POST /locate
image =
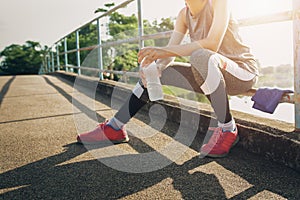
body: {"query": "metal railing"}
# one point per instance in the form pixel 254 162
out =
pixel 293 15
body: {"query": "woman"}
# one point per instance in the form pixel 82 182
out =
pixel 220 65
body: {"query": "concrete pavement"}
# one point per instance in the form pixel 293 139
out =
pixel 40 117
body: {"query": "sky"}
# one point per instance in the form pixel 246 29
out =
pixel 46 21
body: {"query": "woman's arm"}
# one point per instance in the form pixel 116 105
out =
pixel 180 30
pixel 176 38
pixel 213 40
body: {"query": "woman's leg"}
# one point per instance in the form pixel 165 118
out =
pixel 137 99
pixel 211 74
pixel 210 71
pixel 205 76
pixel 192 78
pixel 114 130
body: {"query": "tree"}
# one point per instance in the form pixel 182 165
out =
pixel 22 59
pixel 87 37
pixel 107 5
pixel 117 57
pixel 166 24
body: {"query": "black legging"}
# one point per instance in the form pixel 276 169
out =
pixel 133 104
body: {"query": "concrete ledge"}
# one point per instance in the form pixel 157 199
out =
pixel 272 139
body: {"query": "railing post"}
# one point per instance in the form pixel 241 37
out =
pixel 100 61
pixel 57 58
pixel 52 61
pixel 65 53
pixel 48 62
pixel 78 52
pixel 140 24
pixel 296 7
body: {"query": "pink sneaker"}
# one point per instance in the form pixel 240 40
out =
pixel 103 132
pixel 220 143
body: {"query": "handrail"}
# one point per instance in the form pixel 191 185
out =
pixel 258 20
pixel 160 35
pixel 122 5
pixel 264 19
pixel 270 18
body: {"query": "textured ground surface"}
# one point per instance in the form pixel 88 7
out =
pixel 40 117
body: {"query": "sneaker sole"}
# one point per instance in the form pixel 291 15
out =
pixel 222 155
pixel 126 140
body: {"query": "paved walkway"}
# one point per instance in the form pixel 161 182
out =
pixel 40 117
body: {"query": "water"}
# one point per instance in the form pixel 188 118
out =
pixel 155 91
pixel 154 86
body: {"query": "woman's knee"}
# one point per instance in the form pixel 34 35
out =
pixel 200 54
pixel 206 71
pixel 200 60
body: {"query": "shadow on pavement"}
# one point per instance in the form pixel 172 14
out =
pixel 5 88
pixel 93 180
pixel 46 179
pixel 195 179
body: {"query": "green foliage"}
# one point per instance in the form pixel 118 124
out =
pixel 107 5
pixel 123 57
pixel 87 37
pixel 29 57
pixel 124 27
pixel 126 61
pixel 117 57
pixel 120 24
pixel 101 10
pixel 166 24
pixel 22 59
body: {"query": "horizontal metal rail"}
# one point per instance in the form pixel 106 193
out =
pixel 271 18
pixel 122 5
pixel 127 73
pixel 160 35
pixel 264 19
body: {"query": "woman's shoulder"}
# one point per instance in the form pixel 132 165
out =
pixel 183 11
pixel 182 14
pixel 181 21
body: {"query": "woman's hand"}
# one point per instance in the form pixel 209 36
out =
pixel 149 54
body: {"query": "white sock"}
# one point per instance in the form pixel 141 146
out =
pixel 115 123
pixel 229 126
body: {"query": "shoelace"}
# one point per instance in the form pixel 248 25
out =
pixel 101 125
